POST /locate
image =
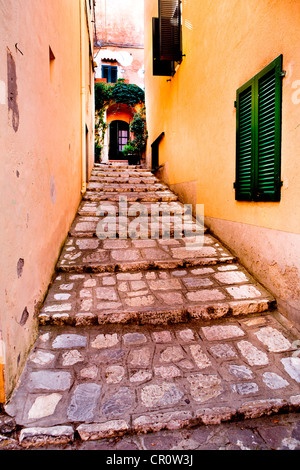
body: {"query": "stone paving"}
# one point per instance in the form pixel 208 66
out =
pixel 129 345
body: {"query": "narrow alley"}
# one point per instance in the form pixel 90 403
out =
pixel 144 335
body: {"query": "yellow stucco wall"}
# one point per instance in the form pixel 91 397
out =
pixel 226 42
pixel 41 176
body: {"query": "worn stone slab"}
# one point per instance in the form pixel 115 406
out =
pixel 84 402
pixel 38 437
pixel 273 339
pixel 158 421
pixel 49 380
pixel 109 429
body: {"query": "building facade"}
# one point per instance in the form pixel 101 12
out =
pixel 223 99
pixel 47 144
pixel 119 44
pixel 119 55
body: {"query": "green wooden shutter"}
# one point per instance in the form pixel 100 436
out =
pixel 258 166
pixel 244 170
pixel 269 134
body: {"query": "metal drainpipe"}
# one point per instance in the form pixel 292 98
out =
pixel 82 90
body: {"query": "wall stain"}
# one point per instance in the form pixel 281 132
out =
pixel 24 317
pixel 20 267
pixel 12 91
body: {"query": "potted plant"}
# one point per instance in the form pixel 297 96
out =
pixel 131 154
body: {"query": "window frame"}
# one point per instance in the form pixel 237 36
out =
pixel 109 68
pixel 255 194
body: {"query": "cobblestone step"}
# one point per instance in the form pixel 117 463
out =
pixel 148 196
pixel 92 208
pixel 94 255
pixel 144 227
pixel 109 381
pixel 124 187
pixel 136 179
pixel 119 167
pixel 155 297
pixel 143 335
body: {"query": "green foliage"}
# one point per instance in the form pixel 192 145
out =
pixel 120 93
pixel 127 93
pixel 139 130
pixel 102 95
pixel 129 149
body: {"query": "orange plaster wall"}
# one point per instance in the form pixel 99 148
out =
pixel 40 164
pixel 226 43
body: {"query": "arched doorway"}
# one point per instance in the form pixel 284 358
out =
pixel 118 138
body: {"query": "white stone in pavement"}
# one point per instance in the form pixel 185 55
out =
pixel 205 295
pixel 106 293
pixel 140 357
pixel 223 350
pixel 87 244
pixel 59 308
pixel 274 381
pixel 245 388
pixel 292 367
pixel 44 405
pixel 68 341
pixel 273 339
pixel 49 380
pixel 114 374
pixel 163 394
pixel 167 372
pixel 204 387
pixel 201 359
pixel 89 372
pixel 41 357
pixel 254 356
pixel 70 358
pixel 162 336
pixel 141 376
pixel 134 338
pixel 242 372
pixel 231 277
pixel 221 332
pixel 172 354
pixel 105 341
pixel 186 335
pixel 243 292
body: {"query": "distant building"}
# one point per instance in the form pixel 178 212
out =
pixel 119 45
pixel 119 54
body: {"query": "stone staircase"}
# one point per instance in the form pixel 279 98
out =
pixel 150 323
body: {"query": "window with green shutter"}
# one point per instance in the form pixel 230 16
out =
pixel 258 153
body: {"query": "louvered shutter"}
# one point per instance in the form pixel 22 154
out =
pixel 170 30
pixel 269 135
pixel 258 166
pixel 244 169
pixel 160 67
